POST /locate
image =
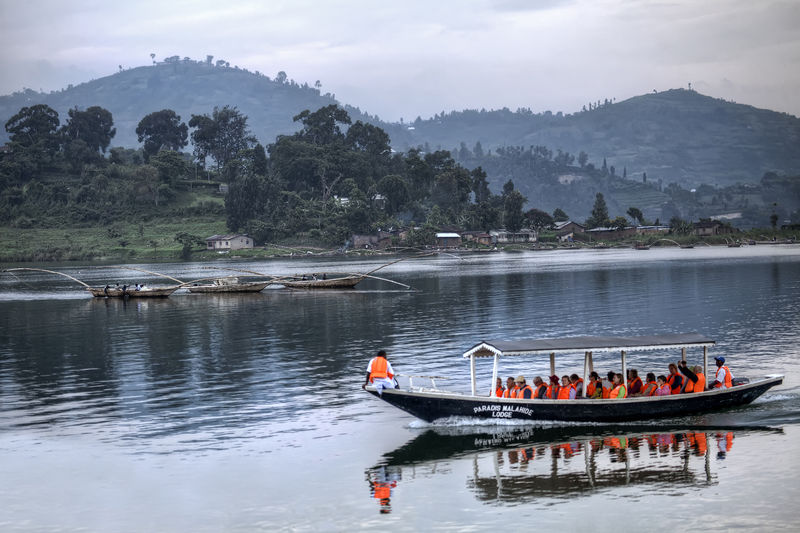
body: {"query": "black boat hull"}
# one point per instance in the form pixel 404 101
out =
pixel 434 405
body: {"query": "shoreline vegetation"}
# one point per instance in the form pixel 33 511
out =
pixel 158 241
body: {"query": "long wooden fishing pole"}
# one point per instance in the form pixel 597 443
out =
pixel 176 280
pixel 49 272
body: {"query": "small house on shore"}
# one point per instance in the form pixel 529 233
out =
pixel 448 240
pixel 229 242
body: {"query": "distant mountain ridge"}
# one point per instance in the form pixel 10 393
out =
pixel 674 136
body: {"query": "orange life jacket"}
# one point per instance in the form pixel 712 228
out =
pixel 563 392
pixel 537 392
pixel 649 388
pixel 700 386
pixel 606 392
pixel 511 393
pixel 590 388
pixel 521 392
pixel 728 379
pixel 615 392
pixel 552 391
pixel 380 369
pixel 633 382
pixel 498 392
pixel 582 389
pixel 672 378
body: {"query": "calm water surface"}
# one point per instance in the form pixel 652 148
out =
pixel 242 413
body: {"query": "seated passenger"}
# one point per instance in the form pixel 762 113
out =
pixel 689 377
pixel 511 388
pixel 675 380
pixel 553 388
pixel 663 387
pixel 649 388
pixel 498 388
pixel 577 382
pixel 540 390
pixel 618 392
pixel 607 388
pixel 634 382
pixel 525 391
pixel 594 390
pixel 567 391
pixel 700 386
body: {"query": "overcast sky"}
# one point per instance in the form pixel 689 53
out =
pixel 408 58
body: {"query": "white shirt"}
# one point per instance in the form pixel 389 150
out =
pixel 721 377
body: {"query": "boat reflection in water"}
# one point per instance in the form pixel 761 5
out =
pixel 516 466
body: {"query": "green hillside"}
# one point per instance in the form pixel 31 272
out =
pixel 187 87
pixel 674 136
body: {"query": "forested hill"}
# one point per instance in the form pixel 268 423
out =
pixel 677 136
pixel 187 87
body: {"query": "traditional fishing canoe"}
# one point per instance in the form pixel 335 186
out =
pixel 347 282
pixel 431 404
pixel 114 292
pixel 229 284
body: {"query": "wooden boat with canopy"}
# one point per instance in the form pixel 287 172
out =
pixel 431 404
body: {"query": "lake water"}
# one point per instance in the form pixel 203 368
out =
pixel 241 413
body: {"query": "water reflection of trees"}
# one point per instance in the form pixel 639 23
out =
pixel 516 466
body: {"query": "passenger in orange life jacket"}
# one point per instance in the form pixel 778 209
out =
pixel 619 391
pixel 700 386
pixel 539 388
pixel 498 388
pixel 634 382
pixel 675 380
pixel 607 388
pixel 594 390
pixel 577 382
pixel 723 379
pixel 553 388
pixel 649 388
pixel 511 388
pixel 525 391
pixel 380 373
pixel 689 377
pixel 567 391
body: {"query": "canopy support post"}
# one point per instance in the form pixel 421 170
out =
pixel 586 364
pixel 552 363
pixel 683 354
pixel 494 377
pixel 705 363
pixel 591 362
pixel 472 372
pixel 624 371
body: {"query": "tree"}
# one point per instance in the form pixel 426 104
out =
pixel 538 219
pixel 599 212
pixel 171 166
pixel 395 189
pixel 512 211
pixel 34 125
pixel 188 241
pixel 559 215
pixel 162 130
pixel 33 132
pixel 322 126
pixel 95 127
pixel 480 185
pixel 222 135
pixel 619 223
pixel 583 158
pixel 773 220
pixel 636 215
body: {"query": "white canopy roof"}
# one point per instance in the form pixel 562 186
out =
pixel 588 344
